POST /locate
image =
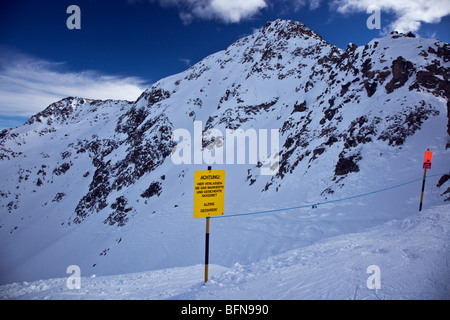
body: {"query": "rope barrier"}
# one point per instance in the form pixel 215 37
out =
pixel 329 201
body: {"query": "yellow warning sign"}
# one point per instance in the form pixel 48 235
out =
pixel 209 193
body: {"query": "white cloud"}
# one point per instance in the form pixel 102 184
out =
pixel 409 14
pixel 28 85
pixel 228 11
pixel 300 4
pixel 236 10
pixel 187 62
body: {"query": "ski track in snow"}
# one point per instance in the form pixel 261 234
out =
pixel 412 255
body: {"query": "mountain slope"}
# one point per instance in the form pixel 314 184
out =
pixel 94 183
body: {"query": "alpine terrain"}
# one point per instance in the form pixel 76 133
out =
pixel 329 184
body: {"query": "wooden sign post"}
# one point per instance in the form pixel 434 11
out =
pixel 209 201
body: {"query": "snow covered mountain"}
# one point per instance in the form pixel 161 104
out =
pixel 93 183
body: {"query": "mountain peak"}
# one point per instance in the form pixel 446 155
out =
pixel 290 29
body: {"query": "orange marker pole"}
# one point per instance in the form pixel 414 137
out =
pixel 426 165
pixel 423 187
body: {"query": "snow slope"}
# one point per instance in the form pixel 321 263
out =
pixel 412 255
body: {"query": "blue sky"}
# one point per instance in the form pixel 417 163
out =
pixel 124 46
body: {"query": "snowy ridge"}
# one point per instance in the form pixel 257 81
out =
pixel 92 183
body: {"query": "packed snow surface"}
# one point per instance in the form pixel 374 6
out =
pixel 411 256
